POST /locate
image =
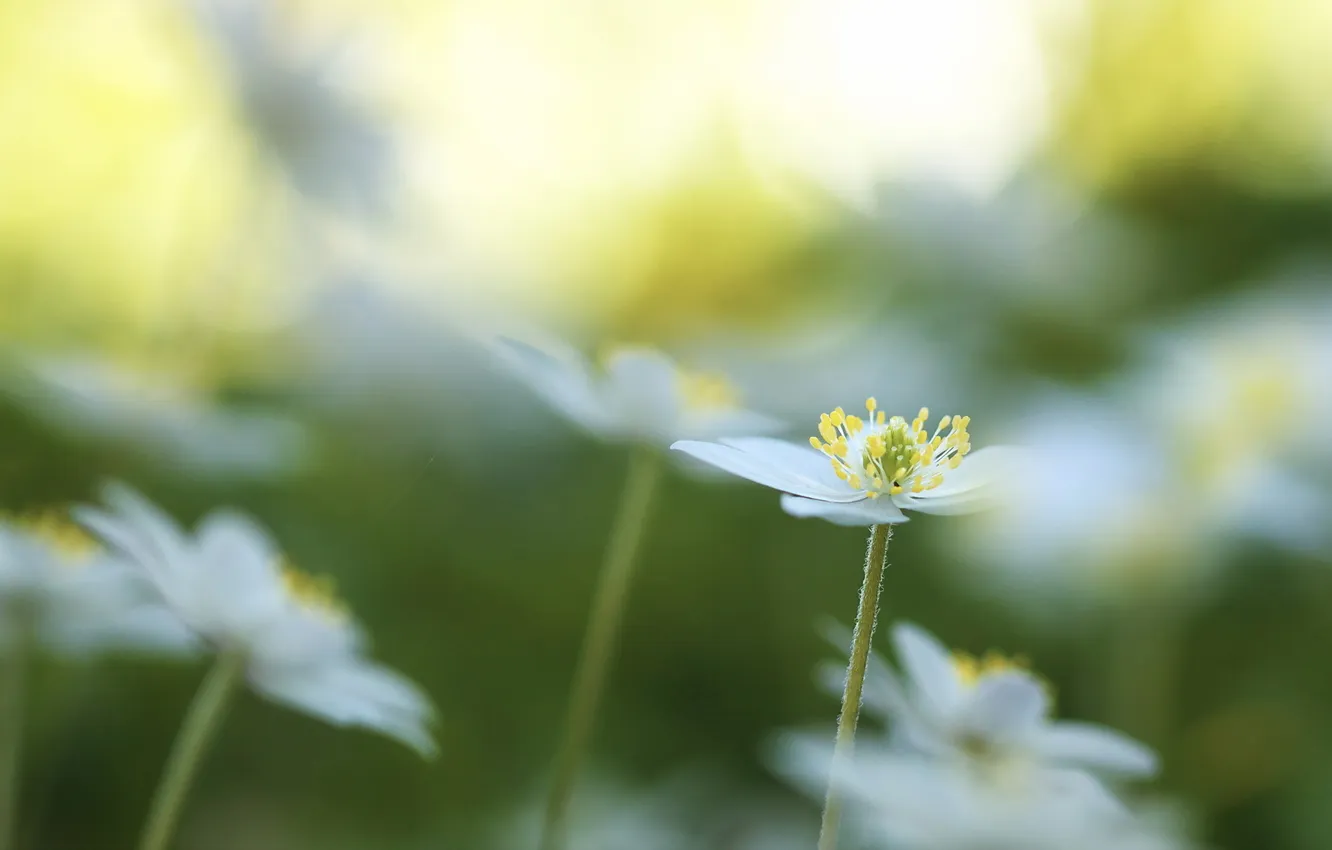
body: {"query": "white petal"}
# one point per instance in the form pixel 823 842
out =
pixel 299 636
pixel 975 485
pixel 239 570
pixel 1096 748
pixel 1005 707
pixel 864 513
pixel 562 378
pixel 353 693
pixel 642 390
pixel 773 463
pixel 150 541
pixel 153 523
pixel 929 666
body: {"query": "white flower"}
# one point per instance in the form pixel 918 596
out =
pixel 867 471
pixel 300 647
pixel 1144 486
pixel 991 712
pixel 907 801
pixel 640 395
pixel 328 145
pixel 1239 398
pixel 1100 515
pixel 73 598
pixel 159 415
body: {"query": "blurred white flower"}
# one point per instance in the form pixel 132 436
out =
pixel 302 115
pixel 991 712
pixel 299 645
pixel 855 463
pixel 1097 515
pixel 1144 485
pixel 911 802
pixel 640 395
pixel 173 423
pixel 1240 395
pixel 73 598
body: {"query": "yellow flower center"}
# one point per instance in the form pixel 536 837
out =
pixel 970 669
pixel 69 541
pixel 316 594
pixel 881 454
pixel 707 391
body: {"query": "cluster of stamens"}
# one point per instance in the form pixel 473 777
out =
pixel 881 454
pixel 73 544
pixel 970 669
pixel 313 593
pixel 706 391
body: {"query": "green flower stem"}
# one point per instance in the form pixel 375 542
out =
pixel 13 681
pixel 862 640
pixel 200 724
pixel 599 641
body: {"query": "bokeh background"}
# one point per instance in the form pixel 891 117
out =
pixel 251 252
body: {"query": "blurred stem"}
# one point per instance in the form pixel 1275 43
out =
pixel 599 641
pixel 13 691
pixel 1147 648
pixel 201 722
pixel 862 640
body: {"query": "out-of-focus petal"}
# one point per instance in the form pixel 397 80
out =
pixel 929 667
pixel 1006 706
pixel 354 694
pixel 1094 747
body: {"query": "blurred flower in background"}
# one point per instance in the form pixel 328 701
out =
pixel 293 638
pixel 61 592
pixel 162 415
pixel 972 760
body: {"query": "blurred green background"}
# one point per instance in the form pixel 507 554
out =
pixel 964 206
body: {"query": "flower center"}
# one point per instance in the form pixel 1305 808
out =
pixel 970 669
pixel 707 391
pixel 882 454
pixel 71 543
pixel 315 594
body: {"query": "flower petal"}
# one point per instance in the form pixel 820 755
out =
pixel 974 486
pixel 1096 748
pixel 239 570
pixel 1005 707
pixel 642 389
pixel 863 513
pixel 929 667
pixel 353 693
pixel 562 378
pixel 773 463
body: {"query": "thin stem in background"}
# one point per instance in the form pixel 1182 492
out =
pixel 200 724
pixel 862 640
pixel 603 629
pixel 13 690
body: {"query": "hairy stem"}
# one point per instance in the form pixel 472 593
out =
pixel 862 640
